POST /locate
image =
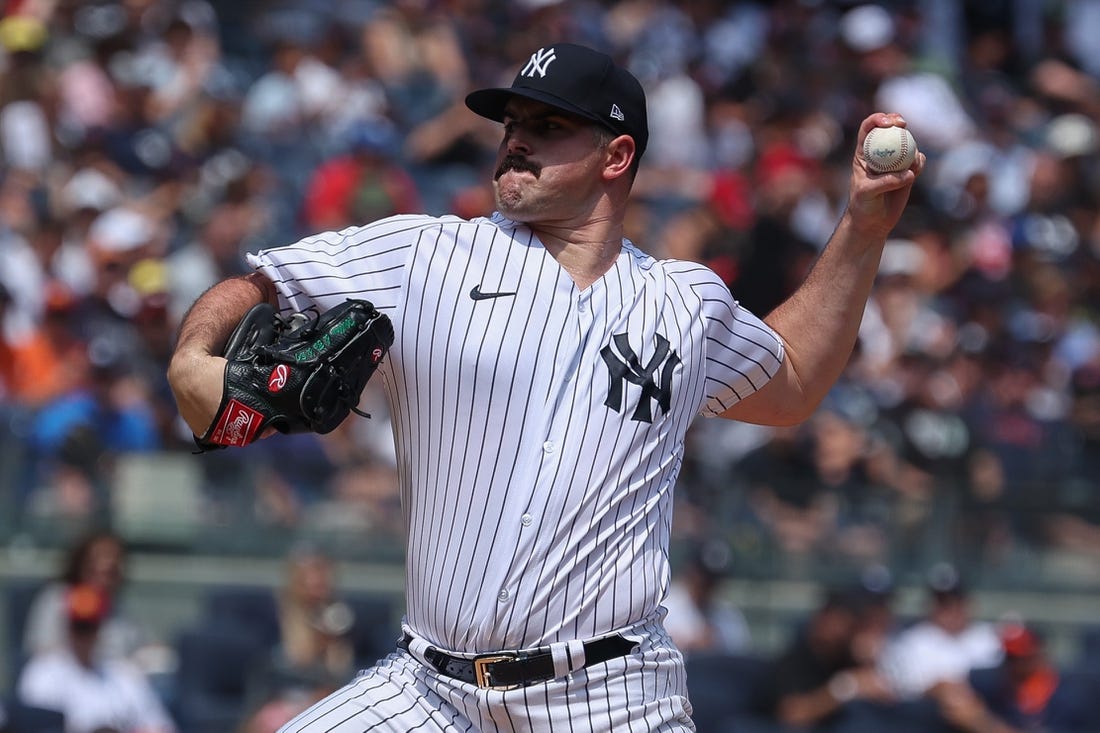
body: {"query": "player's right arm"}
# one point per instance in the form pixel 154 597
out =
pixel 819 323
pixel 196 371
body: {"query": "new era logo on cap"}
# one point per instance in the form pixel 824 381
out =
pixel 579 80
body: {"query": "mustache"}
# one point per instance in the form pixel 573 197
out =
pixel 517 163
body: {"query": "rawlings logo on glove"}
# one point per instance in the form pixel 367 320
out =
pixel 278 378
pixel 297 374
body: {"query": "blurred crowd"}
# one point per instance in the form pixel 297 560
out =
pixel 84 658
pixel 855 660
pixel 854 663
pixel 145 145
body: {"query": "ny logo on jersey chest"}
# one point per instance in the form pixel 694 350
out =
pixel 655 377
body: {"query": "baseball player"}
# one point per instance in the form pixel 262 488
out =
pixel 543 375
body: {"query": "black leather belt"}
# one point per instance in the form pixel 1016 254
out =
pixel 505 670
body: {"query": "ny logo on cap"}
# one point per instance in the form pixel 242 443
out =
pixel 538 63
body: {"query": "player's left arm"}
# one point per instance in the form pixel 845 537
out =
pixel 820 321
pixel 196 370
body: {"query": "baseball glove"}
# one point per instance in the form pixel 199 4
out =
pixel 299 374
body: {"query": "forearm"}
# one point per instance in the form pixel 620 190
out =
pixel 208 323
pixel 807 709
pixel 820 322
pixel 196 370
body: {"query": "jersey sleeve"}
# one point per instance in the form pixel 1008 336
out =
pixel 742 352
pixel 323 269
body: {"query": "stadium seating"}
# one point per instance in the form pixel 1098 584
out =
pixel 24 718
pixel 216 666
pixel 18 598
pixel 728 693
pixel 376 628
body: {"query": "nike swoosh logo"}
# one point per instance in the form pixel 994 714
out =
pixel 476 294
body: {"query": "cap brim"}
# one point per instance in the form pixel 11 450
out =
pixel 490 103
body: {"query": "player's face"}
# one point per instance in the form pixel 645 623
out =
pixel 548 164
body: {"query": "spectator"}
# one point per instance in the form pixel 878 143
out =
pixel 785 497
pixel 361 497
pixel 26 139
pixel 51 361
pixel 417 57
pixel 215 251
pixel 776 255
pixel 699 619
pixel 20 269
pixel 97 560
pixel 93 189
pixel 821 670
pixel 363 184
pixel 177 66
pixel 887 63
pixel 857 469
pixel 825 486
pixel 113 406
pixel 277 115
pixel 314 624
pixel 901 315
pixel 1026 692
pixel 945 645
pixel 94 693
pixel 306 635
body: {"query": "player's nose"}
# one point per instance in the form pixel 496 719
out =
pixel 517 144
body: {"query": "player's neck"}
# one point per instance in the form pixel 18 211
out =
pixel 586 254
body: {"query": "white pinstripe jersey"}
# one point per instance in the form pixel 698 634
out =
pixel 539 428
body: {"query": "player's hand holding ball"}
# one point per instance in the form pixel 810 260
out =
pixel 889 149
pixel 885 165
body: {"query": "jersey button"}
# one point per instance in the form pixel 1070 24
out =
pixel 548 446
pixel 526 520
pixel 502 596
pixel 582 306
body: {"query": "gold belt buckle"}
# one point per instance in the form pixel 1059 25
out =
pixel 483 676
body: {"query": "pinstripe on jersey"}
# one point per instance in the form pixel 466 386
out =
pixel 534 511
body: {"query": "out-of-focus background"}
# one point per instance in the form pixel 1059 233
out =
pixel 145 145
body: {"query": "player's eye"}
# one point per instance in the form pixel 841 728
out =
pixel 540 126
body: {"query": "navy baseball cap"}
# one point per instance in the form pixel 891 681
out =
pixel 578 80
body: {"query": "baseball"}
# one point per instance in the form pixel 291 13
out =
pixel 889 149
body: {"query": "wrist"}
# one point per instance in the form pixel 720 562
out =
pixel 843 687
pixel 197 383
pixel 185 365
pixel 862 231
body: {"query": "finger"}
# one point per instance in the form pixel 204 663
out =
pixel 878 119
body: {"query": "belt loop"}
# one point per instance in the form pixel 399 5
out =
pixel 559 653
pixel 419 647
pixel 577 660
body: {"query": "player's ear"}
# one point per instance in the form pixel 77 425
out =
pixel 618 155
